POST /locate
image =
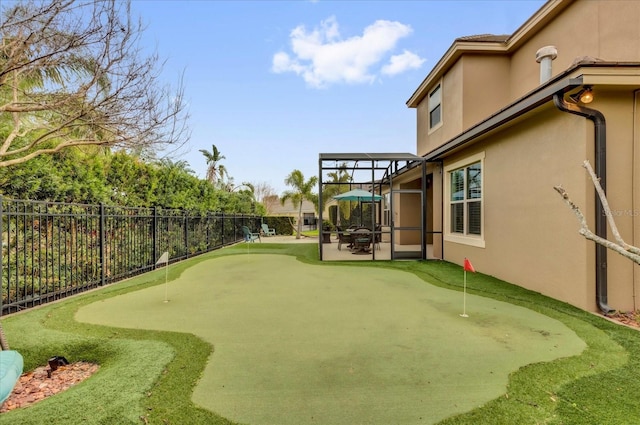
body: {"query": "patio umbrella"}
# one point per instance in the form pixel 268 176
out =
pixel 358 195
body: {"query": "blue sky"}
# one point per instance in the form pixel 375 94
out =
pixel 274 83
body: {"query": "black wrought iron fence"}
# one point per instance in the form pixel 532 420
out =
pixel 52 250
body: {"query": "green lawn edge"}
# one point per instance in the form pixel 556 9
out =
pixel 591 388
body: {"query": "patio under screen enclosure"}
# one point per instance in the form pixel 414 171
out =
pixel 380 206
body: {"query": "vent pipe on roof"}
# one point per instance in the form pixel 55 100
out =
pixel 544 56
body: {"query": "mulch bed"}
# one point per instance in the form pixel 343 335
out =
pixel 36 385
pixel 629 318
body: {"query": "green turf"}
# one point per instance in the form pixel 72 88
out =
pixel 298 344
pixel 137 385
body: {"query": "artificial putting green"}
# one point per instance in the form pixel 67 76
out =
pixel 302 344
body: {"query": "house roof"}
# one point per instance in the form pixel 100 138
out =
pixel 485 38
pixel 488 43
pixel 587 71
pixel 277 209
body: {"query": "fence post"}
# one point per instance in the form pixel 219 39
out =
pixel 222 227
pixel 185 220
pixel 103 260
pixel 154 236
pixel 209 221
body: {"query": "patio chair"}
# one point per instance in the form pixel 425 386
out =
pixel 377 236
pixel 11 364
pixel 267 231
pixel 250 236
pixel 343 237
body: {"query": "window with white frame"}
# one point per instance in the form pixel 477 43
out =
pixel 464 203
pixel 435 107
pixel 386 213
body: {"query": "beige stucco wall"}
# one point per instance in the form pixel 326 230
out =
pixel 530 236
pixel 452 123
pixel 635 212
pixel 608 30
pixel 485 88
pixel 619 112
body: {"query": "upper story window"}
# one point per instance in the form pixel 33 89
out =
pixel 435 107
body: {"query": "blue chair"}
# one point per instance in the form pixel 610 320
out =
pixel 11 364
pixel 249 236
pixel 267 231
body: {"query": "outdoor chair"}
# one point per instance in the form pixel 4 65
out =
pixel 11 364
pixel 250 236
pixel 343 237
pixel 267 231
pixel 377 236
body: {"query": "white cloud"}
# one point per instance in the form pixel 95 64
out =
pixel 401 63
pixel 322 57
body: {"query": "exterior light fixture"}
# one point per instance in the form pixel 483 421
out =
pixel 583 96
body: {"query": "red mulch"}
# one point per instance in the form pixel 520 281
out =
pixel 629 318
pixel 35 385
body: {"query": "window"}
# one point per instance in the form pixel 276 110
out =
pixel 386 213
pixel 464 207
pixel 435 107
pixel 308 219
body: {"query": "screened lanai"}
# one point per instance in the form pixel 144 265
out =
pixel 391 220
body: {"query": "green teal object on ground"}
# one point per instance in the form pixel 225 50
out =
pixel 11 364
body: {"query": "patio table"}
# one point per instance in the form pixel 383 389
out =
pixel 361 239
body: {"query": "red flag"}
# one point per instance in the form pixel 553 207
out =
pixel 468 267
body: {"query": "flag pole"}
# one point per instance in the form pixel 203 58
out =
pixel 166 282
pixel 164 258
pixel 467 267
pixel 464 297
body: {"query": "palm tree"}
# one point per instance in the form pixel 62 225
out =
pixel 215 171
pixel 338 183
pixel 302 190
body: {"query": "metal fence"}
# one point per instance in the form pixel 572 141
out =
pixel 53 250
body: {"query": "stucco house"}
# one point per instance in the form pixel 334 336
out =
pixel 499 125
pixel 309 218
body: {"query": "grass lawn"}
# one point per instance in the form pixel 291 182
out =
pixel 152 373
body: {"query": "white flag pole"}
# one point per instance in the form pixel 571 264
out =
pixel 164 258
pixel 464 297
pixel 166 282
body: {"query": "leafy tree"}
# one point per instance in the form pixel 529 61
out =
pixel 215 171
pixel 131 181
pixel 302 190
pixel 72 175
pixel 72 73
pixel 176 185
pixel 339 183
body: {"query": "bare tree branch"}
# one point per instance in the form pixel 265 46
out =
pixel 620 246
pixel 605 205
pixel 73 73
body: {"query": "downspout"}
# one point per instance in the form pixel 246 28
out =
pixel 600 130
